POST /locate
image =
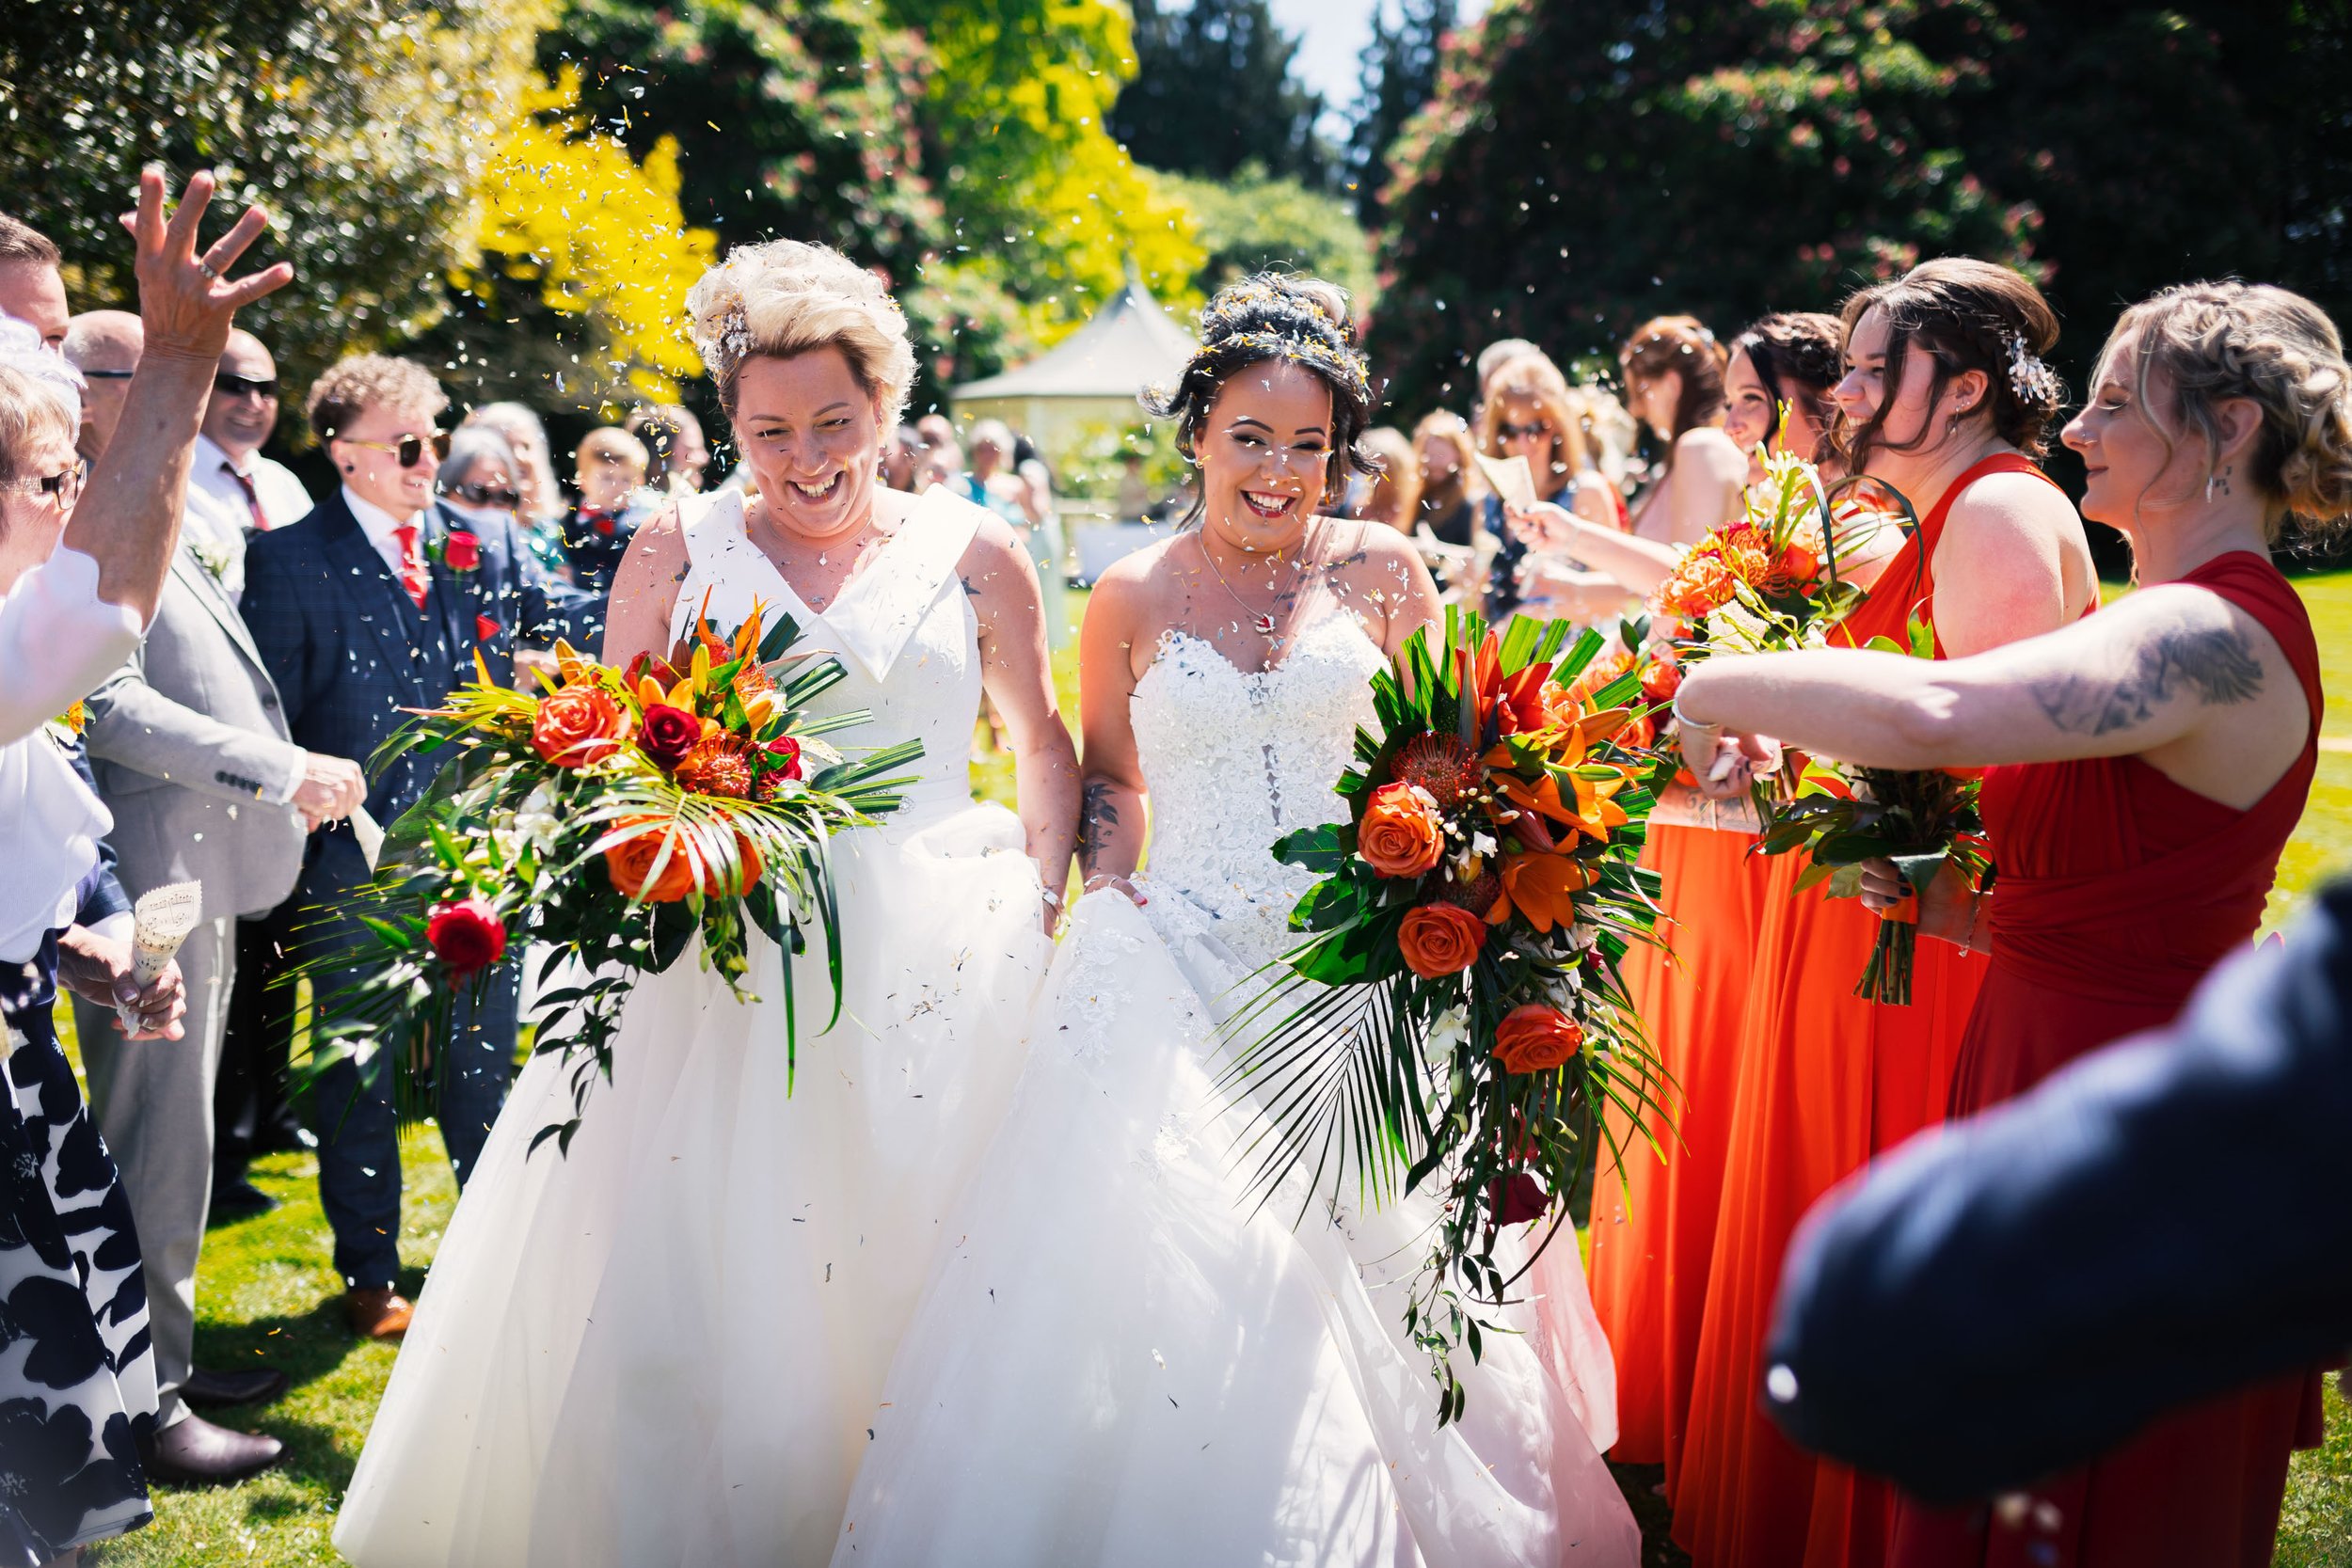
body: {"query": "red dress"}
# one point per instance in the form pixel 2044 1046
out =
pixel 1825 1080
pixel 2119 889
pixel 1653 1223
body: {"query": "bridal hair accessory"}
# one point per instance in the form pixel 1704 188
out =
pixel 2030 376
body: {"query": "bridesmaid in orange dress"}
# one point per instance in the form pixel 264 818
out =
pixel 2150 766
pixel 1653 1221
pixel 1943 401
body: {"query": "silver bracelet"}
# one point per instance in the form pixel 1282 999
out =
pixel 1685 720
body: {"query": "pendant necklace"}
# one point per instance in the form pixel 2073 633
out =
pixel 1261 621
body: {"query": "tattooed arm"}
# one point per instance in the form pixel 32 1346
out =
pixel 1018 674
pixel 1110 817
pixel 2173 675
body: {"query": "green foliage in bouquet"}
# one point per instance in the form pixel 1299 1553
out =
pixel 1456 1018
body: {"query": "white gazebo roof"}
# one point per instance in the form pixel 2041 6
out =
pixel 1130 344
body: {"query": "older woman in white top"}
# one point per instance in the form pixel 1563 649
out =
pixel 83 558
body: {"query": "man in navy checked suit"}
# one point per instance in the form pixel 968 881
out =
pixel 364 608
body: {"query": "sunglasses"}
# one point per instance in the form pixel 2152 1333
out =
pixel 1521 432
pixel 246 386
pixel 64 488
pixel 486 495
pixel 409 449
pixel 108 376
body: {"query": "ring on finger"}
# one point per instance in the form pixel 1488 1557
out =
pixel 207 269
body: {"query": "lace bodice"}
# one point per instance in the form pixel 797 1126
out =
pixel 1234 760
pixel 902 628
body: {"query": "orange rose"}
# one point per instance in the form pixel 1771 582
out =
pixel 1537 1039
pixel 631 861
pixel 1400 834
pixel 578 725
pixel 1439 939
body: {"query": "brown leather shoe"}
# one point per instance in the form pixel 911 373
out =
pixel 195 1453
pixel 379 1313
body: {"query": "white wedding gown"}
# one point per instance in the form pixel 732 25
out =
pixel 666 1347
pixel 1117 1363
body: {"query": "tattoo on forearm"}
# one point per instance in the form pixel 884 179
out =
pixel 1097 818
pixel 2218 667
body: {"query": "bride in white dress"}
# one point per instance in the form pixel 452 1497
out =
pixel 667 1346
pixel 1117 1362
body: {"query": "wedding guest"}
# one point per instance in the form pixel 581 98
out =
pixel 374 604
pixel 1392 495
pixel 902 456
pixel 2146 769
pixel 84 554
pixel 1777 386
pixel 608 468
pixel 673 442
pixel 104 346
pixel 1674 384
pixel 2037 1245
pixel 480 478
pixel 1450 484
pixel 1527 414
pixel 542 510
pixel 943 452
pixel 257 492
pixel 1948 400
pixel 189 754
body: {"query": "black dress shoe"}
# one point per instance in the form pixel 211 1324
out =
pixel 209 1389
pixel 240 1200
pixel 195 1453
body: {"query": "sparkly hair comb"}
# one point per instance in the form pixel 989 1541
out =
pixel 2031 377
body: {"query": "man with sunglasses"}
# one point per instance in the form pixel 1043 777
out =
pixel 374 605
pixel 231 479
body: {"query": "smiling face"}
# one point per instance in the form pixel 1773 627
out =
pixel 1265 454
pixel 1524 428
pixel 30 521
pixel 239 420
pixel 378 476
pixel 1748 414
pixel 2128 474
pixel 1918 419
pixel 813 437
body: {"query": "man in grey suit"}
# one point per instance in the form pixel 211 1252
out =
pixel 191 755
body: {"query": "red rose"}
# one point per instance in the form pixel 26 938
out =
pixel 605 524
pixel 484 628
pixel 466 935
pixel 578 725
pixel 461 551
pixel 1518 1198
pixel 784 756
pixel 668 735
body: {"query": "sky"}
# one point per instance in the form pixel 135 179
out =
pixel 1331 34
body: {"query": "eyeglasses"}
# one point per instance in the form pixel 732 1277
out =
pixel 485 494
pixel 264 388
pixel 1522 432
pixel 408 449
pixel 65 488
pixel 108 376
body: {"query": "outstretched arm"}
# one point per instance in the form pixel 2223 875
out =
pixel 1017 672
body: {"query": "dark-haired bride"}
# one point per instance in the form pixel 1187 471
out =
pixel 1120 1360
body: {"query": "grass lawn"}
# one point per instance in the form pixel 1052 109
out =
pixel 268 1296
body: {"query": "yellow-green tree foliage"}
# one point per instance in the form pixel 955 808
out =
pixel 1037 195
pixel 597 236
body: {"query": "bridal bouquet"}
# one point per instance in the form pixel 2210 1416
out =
pixel 1843 815
pixel 613 815
pixel 1466 1019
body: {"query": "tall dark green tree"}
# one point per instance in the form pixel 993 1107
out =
pixel 1399 77
pixel 1213 90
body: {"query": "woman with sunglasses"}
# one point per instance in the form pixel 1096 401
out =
pixel 481 478
pixel 1527 412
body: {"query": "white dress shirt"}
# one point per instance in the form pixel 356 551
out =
pixel 378 523
pixel 281 496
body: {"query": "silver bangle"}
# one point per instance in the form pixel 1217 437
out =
pixel 1685 720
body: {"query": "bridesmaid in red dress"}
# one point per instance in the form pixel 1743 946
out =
pixel 2152 763
pixel 1940 401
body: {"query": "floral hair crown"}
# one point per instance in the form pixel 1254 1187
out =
pixel 2030 376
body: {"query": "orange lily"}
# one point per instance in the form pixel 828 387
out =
pixel 1540 887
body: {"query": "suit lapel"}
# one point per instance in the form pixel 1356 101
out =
pixel 384 606
pixel 216 602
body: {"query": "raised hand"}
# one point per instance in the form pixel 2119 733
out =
pixel 186 301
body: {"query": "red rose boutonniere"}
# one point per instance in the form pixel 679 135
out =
pixel 459 549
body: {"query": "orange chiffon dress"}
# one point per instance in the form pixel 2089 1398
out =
pixel 2118 890
pixel 1653 1218
pixel 1826 1079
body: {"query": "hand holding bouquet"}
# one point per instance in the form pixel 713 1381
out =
pixel 615 817
pixel 1467 1016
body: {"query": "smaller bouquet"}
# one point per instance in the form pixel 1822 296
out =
pixel 1843 815
pixel 1466 1019
pixel 614 816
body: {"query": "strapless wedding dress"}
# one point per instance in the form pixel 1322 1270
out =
pixel 666 1347
pixel 1119 1362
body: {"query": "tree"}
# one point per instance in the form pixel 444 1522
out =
pixel 1399 77
pixel 1213 91
pixel 1253 221
pixel 1586 166
pixel 362 125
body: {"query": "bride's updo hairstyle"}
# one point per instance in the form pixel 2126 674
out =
pixel 1965 315
pixel 1273 316
pixel 2205 343
pixel 784 298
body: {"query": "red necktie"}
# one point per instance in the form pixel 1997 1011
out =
pixel 252 497
pixel 412 575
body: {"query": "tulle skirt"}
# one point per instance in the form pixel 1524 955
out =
pixel 1120 1362
pixel 668 1345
